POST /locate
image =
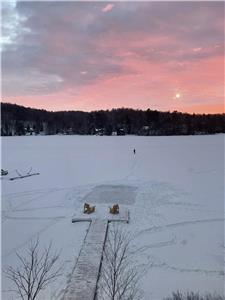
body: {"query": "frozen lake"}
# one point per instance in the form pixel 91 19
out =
pixel 173 187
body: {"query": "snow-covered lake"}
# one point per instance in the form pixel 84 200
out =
pixel 173 187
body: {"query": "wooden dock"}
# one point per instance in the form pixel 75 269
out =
pixel 83 281
pixel 123 216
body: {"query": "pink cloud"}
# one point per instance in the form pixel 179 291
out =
pixel 129 60
pixel 107 8
pixel 151 85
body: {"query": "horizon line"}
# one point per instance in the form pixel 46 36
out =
pixel 114 108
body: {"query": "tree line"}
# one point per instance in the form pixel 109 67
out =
pixel 19 120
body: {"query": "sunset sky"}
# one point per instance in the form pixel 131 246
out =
pixel 103 55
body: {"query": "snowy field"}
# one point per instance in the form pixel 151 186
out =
pixel 173 187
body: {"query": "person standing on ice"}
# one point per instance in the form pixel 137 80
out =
pixel 134 151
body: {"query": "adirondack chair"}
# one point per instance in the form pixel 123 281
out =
pixel 114 210
pixel 88 209
pixel 91 210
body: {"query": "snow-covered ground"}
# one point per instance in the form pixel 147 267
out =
pixel 173 187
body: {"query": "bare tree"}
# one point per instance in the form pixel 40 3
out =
pixel 36 271
pixel 194 296
pixel 119 275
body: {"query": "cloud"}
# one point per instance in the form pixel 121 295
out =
pixel 107 8
pixel 72 48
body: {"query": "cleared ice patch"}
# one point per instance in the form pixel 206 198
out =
pixel 121 194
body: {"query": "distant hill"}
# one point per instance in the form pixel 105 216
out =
pixel 19 120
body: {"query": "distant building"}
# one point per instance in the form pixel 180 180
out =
pixel 28 130
pixel 120 131
pixel 99 131
pixel 69 131
pixel 145 130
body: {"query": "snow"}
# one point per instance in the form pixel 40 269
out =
pixel 173 188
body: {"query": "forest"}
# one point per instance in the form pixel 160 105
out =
pixel 20 120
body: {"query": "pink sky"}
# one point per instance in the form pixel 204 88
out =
pixel 88 56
